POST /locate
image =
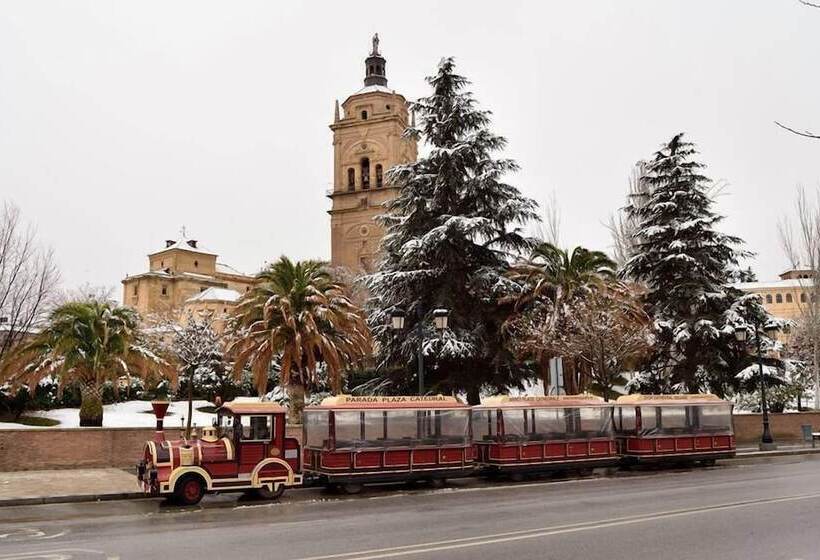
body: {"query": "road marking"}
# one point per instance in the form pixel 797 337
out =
pixel 59 554
pixel 437 546
pixel 26 533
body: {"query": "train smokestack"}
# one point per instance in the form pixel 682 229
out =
pixel 160 409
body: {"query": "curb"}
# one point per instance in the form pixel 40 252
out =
pixel 85 498
pixel 70 499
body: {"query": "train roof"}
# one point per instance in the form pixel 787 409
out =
pixel 349 402
pixel 671 400
pixel 251 405
pixel 552 401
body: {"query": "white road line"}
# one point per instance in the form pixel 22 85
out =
pixel 423 548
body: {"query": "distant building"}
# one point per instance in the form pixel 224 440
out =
pixel 184 276
pixel 368 139
pixel 784 298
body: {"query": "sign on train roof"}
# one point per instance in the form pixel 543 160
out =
pixel 380 402
pixel 704 398
pixel 252 405
pixel 507 401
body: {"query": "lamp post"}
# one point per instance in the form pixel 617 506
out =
pixel 440 319
pixel 770 329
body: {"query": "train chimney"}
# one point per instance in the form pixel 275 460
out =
pixel 160 409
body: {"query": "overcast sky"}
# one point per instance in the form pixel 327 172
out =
pixel 120 122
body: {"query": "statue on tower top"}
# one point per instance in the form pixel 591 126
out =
pixel 375 51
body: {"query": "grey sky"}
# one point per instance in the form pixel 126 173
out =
pixel 122 121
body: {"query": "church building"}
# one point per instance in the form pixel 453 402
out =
pixel 367 141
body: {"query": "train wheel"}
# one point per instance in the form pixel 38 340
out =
pixel 438 482
pixel 352 488
pixel 708 462
pixel 517 477
pixel 265 493
pixel 189 490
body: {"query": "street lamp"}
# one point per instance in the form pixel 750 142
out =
pixel 440 321
pixel 770 329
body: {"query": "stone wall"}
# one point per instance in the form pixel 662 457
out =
pixel 67 448
pixel 785 427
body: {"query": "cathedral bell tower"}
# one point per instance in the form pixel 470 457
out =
pixel 367 141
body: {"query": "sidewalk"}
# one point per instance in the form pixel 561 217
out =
pixel 89 485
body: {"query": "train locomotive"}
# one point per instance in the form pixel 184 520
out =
pixel 350 441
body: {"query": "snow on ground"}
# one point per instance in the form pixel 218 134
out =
pixel 131 414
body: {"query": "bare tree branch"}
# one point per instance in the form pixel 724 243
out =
pixel 809 4
pixel 805 134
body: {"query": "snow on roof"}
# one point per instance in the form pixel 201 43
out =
pixel 228 269
pixel 216 294
pixel 184 244
pixel 375 89
pixel 792 283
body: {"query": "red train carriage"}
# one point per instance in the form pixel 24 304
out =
pixel 517 435
pixel 352 441
pixel 674 428
pixel 246 450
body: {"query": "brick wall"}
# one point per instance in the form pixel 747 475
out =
pixel 67 448
pixel 785 427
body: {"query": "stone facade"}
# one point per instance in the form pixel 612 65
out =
pixel 367 141
pixel 177 274
pixel 785 298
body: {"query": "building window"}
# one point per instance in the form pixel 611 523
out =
pixel 387 107
pixel 778 298
pixel 803 298
pixel 788 298
pixel 768 298
pixel 365 173
pixel 379 175
pixel 351 179
pixel 164 290
pixel 364 115
pixel 161 264
pixel 247 288
pixel 135 288
pixel 196 264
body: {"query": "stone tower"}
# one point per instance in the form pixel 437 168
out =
pixel 367 141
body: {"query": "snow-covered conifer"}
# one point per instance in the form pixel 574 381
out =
pixel 450 234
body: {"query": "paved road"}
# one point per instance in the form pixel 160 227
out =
pixel 769 511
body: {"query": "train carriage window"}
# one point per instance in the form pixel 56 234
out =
pixel 649 420
pixel 402 427
pixel 317 428
pixel 626 419
pixel 596 422
pixel 549 424
pixel 484 424
pixel 348 428
pixel 714 418
pixel 675 419
pixel 257 428
pixel 514 424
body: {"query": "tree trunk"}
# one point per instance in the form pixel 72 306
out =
pixel 91 410
pixel 473 396
pixel 296 398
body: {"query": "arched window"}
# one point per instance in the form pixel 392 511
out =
pixel 803 297
pixel 778 298
pixel 351 179
pixel 379 175
pixel 365 173
pixel 768 298
pixel 788 298
pixel 364 115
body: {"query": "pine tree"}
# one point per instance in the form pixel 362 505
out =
pixel 687 264
pixel 451 232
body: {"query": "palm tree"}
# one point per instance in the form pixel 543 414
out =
pixel 298 313
pixel 88 343
pixel 551 279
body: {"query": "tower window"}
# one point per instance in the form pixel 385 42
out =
pixel 768 298
pixel 365 173
pixel 164 290
pixel 379 175
pixel 364 115
pixel 351 179
pixel 135 289
pixel 803 297
pixel 788 298
pixel 196 264
pixel 778 298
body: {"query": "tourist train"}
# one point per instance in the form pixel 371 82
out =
pixel 350 441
